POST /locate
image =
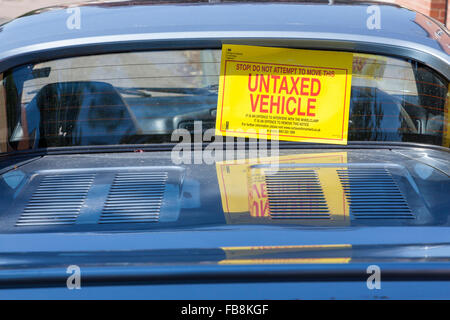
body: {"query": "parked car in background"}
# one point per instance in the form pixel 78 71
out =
pixel 90 98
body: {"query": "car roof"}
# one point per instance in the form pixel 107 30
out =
pixel 117 25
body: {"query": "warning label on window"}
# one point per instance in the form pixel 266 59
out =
pixel 285 94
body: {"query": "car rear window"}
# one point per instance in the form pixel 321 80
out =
pixel 142 97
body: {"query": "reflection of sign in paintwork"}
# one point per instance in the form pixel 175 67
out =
pixel 244 192
pixel 297 254
pixel 302 94
pixel 287 261
pixel 258 203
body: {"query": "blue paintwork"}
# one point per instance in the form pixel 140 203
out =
pixel 26 254
pixel 103 20
pixel 353 290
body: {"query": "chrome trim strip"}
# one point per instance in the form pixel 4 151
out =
pixel 429 56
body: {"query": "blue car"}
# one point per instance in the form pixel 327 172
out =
pixel 147 151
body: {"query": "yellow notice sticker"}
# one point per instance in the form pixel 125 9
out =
pixel 285 94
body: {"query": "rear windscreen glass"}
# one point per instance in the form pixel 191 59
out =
pixel 142 97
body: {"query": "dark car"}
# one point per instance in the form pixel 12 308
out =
pixel 115 174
